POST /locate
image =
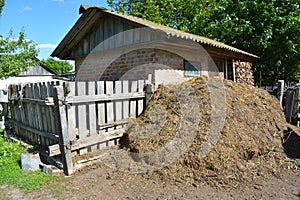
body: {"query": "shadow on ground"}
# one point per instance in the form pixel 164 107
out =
pixel 291 144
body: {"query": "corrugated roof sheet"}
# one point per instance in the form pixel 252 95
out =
pixel 168 30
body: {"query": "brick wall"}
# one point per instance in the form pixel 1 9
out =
pixel 138 64
pixel 134 65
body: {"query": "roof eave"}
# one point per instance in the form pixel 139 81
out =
pixel 88 12
pixel 63 49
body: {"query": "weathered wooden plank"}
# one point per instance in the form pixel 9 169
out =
pixel 43 102
pixel 82 123
pixel 83 131
pixel 32 112
pixel 110 30
pixel 35 131
pixel 92 40
pixel 109 105
pixel 64 140
pixel 54 150
pixel 38 113
pixel 118 32
pixel 133 103
pixel 89 141
pixel 92 119
pixel 14 116
pixel 141 85
pixel 51 111
pixel 97 36
pixel 52 124
pixel 86 44
pixel 136 35
pixel 72 130
pixel 118 105
pixel 125 111
pixel 44 112
pixel 101 36
pixel 289 105
pixel 100 98
pixel 128 36
pixel 27 111
pixel 100 105
pixel 145 35
pixel 114 124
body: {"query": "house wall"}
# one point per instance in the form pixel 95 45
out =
pixel 134 65
pixel 103 54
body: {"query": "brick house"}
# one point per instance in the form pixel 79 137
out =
pixel 108 45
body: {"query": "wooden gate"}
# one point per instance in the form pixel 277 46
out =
pixel 65 119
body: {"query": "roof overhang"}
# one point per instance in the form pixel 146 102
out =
pixel 90 14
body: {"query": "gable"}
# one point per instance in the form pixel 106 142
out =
pixel 40 70
pixel 98 24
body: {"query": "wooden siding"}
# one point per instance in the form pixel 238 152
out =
pixel 36 71
pixel 111 33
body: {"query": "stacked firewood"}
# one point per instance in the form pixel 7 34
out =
pixel 244 73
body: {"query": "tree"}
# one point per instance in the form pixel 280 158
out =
pixel 61 67
pixel 2 3
pixel 182 15
pixel 16 54
pixel 267 28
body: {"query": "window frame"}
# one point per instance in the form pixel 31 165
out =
pixel 192 64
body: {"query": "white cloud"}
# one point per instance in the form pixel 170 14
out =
pixel 46 46
pixel 27 8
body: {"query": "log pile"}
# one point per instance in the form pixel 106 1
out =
pixel 244 73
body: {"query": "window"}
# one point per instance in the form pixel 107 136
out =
pixel 192 68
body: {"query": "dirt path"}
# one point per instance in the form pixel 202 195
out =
pixel 100 182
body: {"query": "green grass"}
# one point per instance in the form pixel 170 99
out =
pixel 11 172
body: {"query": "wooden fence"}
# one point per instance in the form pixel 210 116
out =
pixel 292 106
pixel 72 118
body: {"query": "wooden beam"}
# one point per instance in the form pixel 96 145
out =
pixel 233 71
pixel 62 127
pixel 46 102
pixel 226 69
pixel 110 125
pixel 95 139
pixel 35 131
pixel 103 97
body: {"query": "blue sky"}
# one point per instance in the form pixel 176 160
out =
pixel 46 22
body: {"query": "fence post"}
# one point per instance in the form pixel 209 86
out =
pixel 62 127
pixel 4 114
pixel 297 106
pixel 280 90
pixel 149 89
pixel 289 105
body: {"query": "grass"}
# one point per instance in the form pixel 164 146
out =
pixel 11 172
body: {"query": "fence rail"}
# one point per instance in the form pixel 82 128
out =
pixel 72 118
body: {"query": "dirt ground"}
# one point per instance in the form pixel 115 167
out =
pixel 256 156
pixel 100 182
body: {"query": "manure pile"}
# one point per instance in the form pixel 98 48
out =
pixel 248 147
